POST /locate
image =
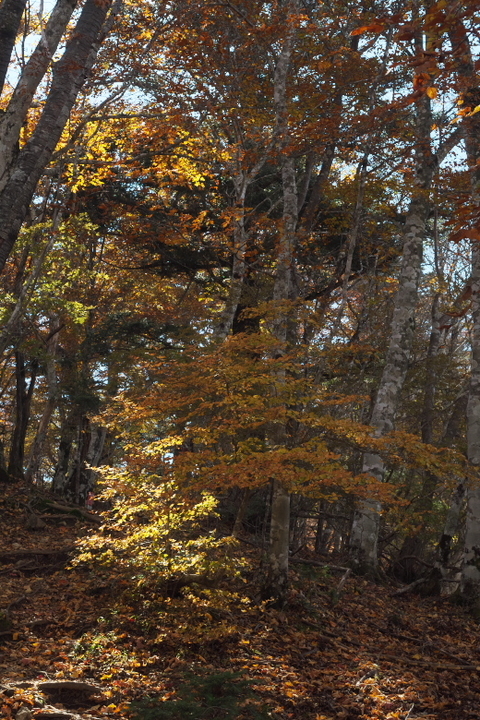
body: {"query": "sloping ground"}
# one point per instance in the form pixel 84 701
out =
pixel 98 644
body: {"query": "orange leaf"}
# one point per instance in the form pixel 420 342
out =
pixel 374 27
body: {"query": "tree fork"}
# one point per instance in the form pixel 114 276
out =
pixel 68 77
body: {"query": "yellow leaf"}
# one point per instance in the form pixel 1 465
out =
pixel 432 92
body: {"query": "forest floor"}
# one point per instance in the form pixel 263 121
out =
pixel 79 643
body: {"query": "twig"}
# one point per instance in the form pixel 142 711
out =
pixel 410 587
pixel 370 674
pixel 343 580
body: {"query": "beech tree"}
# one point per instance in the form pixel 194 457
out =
pixel 27 144
pixel 467 85
pixel 366 524
pixel 243 274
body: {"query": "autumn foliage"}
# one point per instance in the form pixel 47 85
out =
pixel 240 337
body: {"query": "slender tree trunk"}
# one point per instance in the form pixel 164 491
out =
pixel 64 460
pixel 277 569
pixel 11 12
pixel 15 115
pixel 80 451
pixel 452 522
pixel 470 582
pixel 468 84
pixel 299 522
pixel 312 207
pixel 68 77
pixel 38 445
pixel 242 180
pixel 246 494
pixel 238 264
pixel 23 403
pixel 413 544
pixel 366 523
pixel 9 331
pixel 277 576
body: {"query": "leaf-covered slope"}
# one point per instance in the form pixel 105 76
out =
pixel 364 654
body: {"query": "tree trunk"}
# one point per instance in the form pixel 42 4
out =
pixel 246 494
pixel 11 12
pixel 413 545
pixel 277 574
pixel 299 522
pixel 238 255
pixel 38 445
pixel 468 85
pixel 366 523
pixel 15 115
pixel 64 459
pixel 68 76
pixel 80 451
pixel 277 570
pixel 23 402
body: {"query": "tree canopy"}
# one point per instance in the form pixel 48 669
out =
pixel 240 276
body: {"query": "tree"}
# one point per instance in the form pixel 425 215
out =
pixel 365 529
pixel 468 87
pixel 227 247
pixel 23 160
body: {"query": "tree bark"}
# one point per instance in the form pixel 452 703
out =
pixel 64 462
pixel 23 403
pixel 238 263
pixel 469 87
pixel 277 571
pixel 277 574
pixel 80 451
pixel 38 445
pixel 245 496
pixel 16 113
pixel 366 523
pixel 413 545
pixel 68 77
pixel 11 12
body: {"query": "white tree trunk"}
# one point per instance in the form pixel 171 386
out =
pixel 277 570
pixel 11 12
pixel 68 76
pixel 366 523
pixel 15 115
pixel 470 581
pixel 469 87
